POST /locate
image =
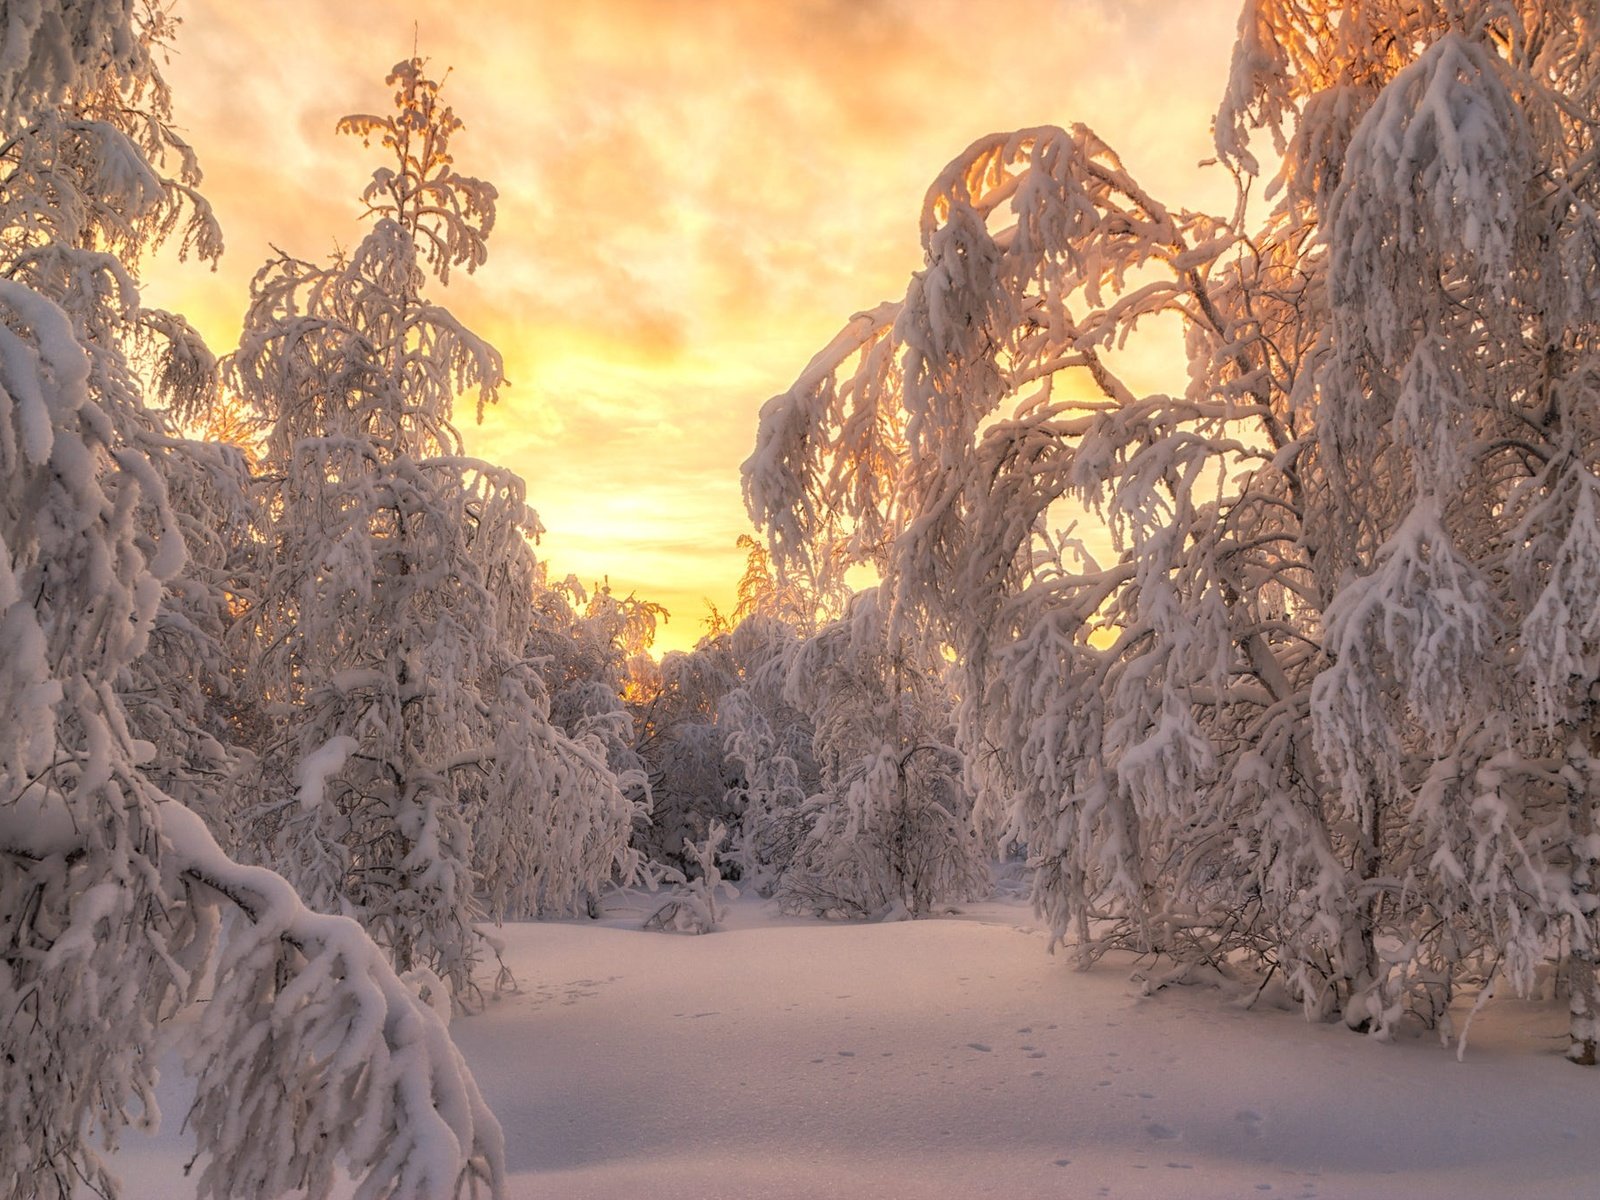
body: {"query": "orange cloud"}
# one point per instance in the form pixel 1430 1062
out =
pixel 693 198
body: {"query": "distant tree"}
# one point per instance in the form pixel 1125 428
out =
pixel 804 597
pixel 768 744
pixel 593 651
pixel 116 903
pixel 586 662
pixel 680 743
pixel 889 828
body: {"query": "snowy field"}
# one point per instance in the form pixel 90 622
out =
pixel 955 1058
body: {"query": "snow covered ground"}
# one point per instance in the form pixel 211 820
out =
pixel 955 1058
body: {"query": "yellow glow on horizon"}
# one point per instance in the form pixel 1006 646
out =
pixel 693 199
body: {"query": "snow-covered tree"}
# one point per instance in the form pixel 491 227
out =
pixel 889 828
pixel 81 244
pixel 693 906
pixel 804 597
pixel 681 745
pixel 413 771
pixel 945 438
pixel 1454 409
pixel 768 745
pixel 1328 693
pixel 593 651
pixel 116 904
pixel 723 745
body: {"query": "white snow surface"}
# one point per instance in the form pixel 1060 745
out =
pixel 954 1057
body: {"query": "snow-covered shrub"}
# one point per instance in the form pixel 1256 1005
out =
pixel 692 906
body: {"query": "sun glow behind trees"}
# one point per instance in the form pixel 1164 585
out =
pixel 689 200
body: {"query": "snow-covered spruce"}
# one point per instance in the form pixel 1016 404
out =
pixel 412 772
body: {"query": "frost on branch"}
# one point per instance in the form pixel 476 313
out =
pixel 53 49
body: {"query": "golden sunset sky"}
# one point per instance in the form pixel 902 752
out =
pixel 693 198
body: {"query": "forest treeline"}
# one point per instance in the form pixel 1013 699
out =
pixel 291 710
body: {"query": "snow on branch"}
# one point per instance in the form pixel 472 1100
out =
pixel 312 1052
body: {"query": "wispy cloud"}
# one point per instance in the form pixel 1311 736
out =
pixel 694 197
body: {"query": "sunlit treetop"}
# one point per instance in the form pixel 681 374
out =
pixel 450 214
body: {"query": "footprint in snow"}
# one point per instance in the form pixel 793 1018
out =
pixel 1063 1162
pixel 847 1054
pixel 978 1046
pixel 1162 1133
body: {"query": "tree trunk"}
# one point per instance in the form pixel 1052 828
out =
pixel 1583 987
pixel 1363 1005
